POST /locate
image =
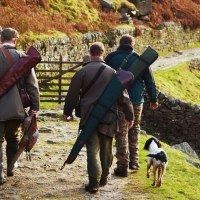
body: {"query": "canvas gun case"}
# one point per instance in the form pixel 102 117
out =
pixel 18 69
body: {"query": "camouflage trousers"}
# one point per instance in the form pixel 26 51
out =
pixel 121 137
pixel 127 141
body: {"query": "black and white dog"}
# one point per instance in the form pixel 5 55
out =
pixel 156 158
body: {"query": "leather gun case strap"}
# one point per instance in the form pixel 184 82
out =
pixel 18 69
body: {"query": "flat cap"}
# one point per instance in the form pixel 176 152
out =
pixel 9 33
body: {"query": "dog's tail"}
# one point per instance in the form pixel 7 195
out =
pixel 159 156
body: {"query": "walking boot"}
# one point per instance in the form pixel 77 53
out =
pixel 93 186
pixel 91 189
pixel 134 166
pixel 104 180
pixel 2 179
pixel 10 153
pixel 121 170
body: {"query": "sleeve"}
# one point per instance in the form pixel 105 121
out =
pixel 73 93
pixel 32 87
pixel 150 85
pixel 126 105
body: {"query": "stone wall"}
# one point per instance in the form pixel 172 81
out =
pixel 174 121
pixel 167 37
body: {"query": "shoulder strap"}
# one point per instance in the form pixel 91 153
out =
pixel 7 55
pixel 100 70
pixel 125 60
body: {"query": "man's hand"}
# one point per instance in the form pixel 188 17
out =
pixel 154 105
pixel 33 112
pixel 129 124
pixel 68 118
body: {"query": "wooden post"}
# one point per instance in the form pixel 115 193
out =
pixel 60 81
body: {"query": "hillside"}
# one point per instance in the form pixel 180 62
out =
pixel 175 81
pixel 185 12
pixel 70 16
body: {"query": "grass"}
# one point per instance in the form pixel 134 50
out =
pixel 180 83
pixel 75 9
pixel 193 46
pixel 50 105
pixel 181 179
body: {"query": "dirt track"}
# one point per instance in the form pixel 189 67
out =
pixel 175 58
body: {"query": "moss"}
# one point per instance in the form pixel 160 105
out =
pixel 119 3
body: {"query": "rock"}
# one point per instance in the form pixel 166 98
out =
pixel 107 3
pixel 197 165
pixel 46 130
pixel 185 148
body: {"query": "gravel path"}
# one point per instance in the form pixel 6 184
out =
pixel 175 58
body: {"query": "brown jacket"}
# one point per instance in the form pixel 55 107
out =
pixel 81 80
pixel 10 103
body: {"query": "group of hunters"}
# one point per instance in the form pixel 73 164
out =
pixel 121 119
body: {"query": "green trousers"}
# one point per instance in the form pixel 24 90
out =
pixel 99 157
pixel 10 131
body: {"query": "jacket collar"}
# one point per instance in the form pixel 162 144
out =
pixel 125 47
pixel 94 60
pixel 8 46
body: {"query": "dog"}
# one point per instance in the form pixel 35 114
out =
pixel 157 158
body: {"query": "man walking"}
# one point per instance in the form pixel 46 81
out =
pixel 12 111
pixel 127 141
pixel 99 144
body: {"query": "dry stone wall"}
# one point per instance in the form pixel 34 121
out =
pixel 174 121
pixel 168 36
